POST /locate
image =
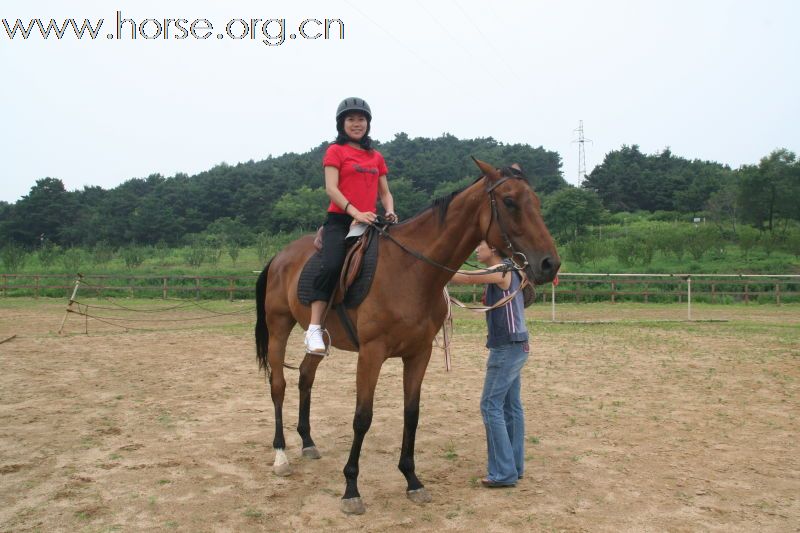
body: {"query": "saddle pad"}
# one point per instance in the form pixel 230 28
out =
pixel 357 291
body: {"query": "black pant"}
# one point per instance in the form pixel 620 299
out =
pixel 337 226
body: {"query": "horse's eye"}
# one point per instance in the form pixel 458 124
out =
pixel 509 202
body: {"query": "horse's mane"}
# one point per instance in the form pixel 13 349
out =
pixel 441 204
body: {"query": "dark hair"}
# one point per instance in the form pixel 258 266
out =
pixel 365 142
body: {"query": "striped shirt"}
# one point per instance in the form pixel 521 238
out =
pixel 505 324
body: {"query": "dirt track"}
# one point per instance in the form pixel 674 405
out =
pixel 631 427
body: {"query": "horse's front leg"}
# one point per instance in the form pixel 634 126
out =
pixel 413 373
pixel 308 370
pixel 369 368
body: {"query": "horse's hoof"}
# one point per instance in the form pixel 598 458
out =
pixel 311 452
pixel 283 469
pixel 353 506
pixel 420 495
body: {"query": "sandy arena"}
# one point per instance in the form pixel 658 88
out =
pixel 631 426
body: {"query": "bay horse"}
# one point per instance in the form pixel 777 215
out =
pixel 404 308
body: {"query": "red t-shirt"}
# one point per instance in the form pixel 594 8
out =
pixel 359 171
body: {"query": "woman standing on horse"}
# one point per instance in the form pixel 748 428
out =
pixel 355 175
pixel 507 340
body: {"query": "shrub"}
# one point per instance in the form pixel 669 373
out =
pixel 73 259
pixel 633 250
pixel 583 251
pixel 161 251
pixel 747 238
pixel 102 253
pixel 133 255
pixel 48 253
pixel 792 243
pixel 701 239
pixel 195 254
pixel 233 251
pixel 771 242
pixel 262 247
pixel 14 257
pixel 672 241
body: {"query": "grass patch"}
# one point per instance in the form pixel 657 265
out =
pixel 253 513
pixel 450 451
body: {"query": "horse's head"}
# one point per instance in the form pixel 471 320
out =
pixel 513 223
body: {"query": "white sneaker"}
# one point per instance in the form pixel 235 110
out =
pixel 314 342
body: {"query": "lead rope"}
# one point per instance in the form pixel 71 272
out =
pixel 446 331
pixel 500 303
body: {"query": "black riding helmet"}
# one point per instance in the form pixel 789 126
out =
pixel 349 105
pixel 353 104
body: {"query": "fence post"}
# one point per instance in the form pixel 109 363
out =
pixel 197 288
pixel 746 292
pixel 230 290
pixel 552 302
pixel 778 293
pixel 71 301
pixel 577 292
pixel 36 290
pixel 5 285
pixel 713 293
pixel 164 288
pixel 613 292
pixel 689 295
pixel 646 287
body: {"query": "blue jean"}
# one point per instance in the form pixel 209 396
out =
pixel 503 417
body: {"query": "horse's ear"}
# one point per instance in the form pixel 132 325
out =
pixel 516 165
pixel 487 169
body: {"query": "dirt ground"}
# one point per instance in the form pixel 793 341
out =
pixel 635 425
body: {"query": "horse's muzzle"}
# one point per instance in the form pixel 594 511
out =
pixel 543 270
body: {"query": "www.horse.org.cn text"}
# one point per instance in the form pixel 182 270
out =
pixel 269 31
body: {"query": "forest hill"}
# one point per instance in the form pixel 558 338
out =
pixel 287 193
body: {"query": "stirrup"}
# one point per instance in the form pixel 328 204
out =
pixel 323 333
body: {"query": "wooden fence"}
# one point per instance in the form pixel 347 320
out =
pixel 143 286
pixel 571 288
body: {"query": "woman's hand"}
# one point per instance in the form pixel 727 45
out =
pixel 365 217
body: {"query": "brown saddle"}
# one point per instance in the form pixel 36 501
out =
pixel 351 267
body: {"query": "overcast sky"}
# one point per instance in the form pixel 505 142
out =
pixel 714 80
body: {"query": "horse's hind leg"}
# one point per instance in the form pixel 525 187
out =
pixel 308 370
pixel 277 350
pixel 413 373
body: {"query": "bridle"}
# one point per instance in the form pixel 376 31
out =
pixel 515 174
pixel 513 253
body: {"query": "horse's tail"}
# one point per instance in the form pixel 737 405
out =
pixel 262 332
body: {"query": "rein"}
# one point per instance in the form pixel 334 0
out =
pixel 504 268
pixel 495 215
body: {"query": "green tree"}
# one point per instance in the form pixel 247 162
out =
pixel 723 206
pixel 408 200
pixel 771 190
pixel 570 210
pixel 41 214
pixel 303 208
